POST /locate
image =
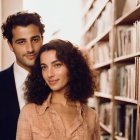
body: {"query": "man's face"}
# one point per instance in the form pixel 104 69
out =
pixel 26 43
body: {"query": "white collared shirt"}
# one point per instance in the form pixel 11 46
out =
pixel 20 75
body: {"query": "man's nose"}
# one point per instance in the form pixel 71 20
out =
pixel 29 47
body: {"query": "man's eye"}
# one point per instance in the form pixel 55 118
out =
pixel 36 39
pixel 21 42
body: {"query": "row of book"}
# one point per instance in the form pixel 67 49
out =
pixel 105 114
pixel 137 78
pixel 125 119
pixel 101 24
pixel 128 39
pixel 88 36
pixel 125 40
pixel 94 10
pixel 104 21
pixel 122 77
pixel 105 81
pixel 137 90
pixel 125 81
pixel 102 52
pixel 122 8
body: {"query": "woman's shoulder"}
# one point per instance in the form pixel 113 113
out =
pixel 29 106
pixel 29 109
pixel 89 112
pixel 91 117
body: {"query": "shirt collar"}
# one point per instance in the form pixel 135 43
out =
pixel 47 103
pixel 20 74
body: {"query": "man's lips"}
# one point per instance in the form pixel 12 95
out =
pixel 30 56
pixel 53 82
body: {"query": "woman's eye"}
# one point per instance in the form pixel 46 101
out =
pixel 58 65
pixel 43 67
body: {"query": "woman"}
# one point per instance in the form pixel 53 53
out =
pixel 57 90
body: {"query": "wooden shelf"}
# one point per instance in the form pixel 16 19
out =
pixel 105 128
pixel 101 65
pixel 87 7
pixel 120 138
pixel 126 57
pixel 125 100
pixel 103 95
pixel 109 102
pixel 93 18
pixel 130 17
pixel 102 37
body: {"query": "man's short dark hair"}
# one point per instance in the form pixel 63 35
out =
pixel 21 19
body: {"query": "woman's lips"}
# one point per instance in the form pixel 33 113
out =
pixel 53 82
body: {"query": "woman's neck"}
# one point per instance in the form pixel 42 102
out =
pixel 58 98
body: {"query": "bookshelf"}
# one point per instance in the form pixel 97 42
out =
pixel 111 34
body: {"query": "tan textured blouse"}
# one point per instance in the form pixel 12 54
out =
pixel 42 122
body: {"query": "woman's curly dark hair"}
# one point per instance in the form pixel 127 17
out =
pixel 81 80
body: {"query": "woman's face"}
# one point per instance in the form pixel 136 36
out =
pixel 54 72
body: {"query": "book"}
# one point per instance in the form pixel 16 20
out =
pixel 102 52
pixel 105 77
pixel 119 120
pixel 105 114
pixel 126 40
pixel 130 122
pixel 125 81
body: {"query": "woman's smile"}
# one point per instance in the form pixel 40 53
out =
pixel 53 82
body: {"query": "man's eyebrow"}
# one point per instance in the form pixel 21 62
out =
pixel 23 39
pixel 36 36
pixel 20 39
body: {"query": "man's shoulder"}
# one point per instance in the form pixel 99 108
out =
pixel 4 72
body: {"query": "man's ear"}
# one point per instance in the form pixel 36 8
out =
pixel 10 46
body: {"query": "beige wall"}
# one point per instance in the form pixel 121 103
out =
pixel 8 7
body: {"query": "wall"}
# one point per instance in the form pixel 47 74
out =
pixel 62 18
pixel 8 7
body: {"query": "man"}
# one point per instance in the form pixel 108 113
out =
pixel 24 34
